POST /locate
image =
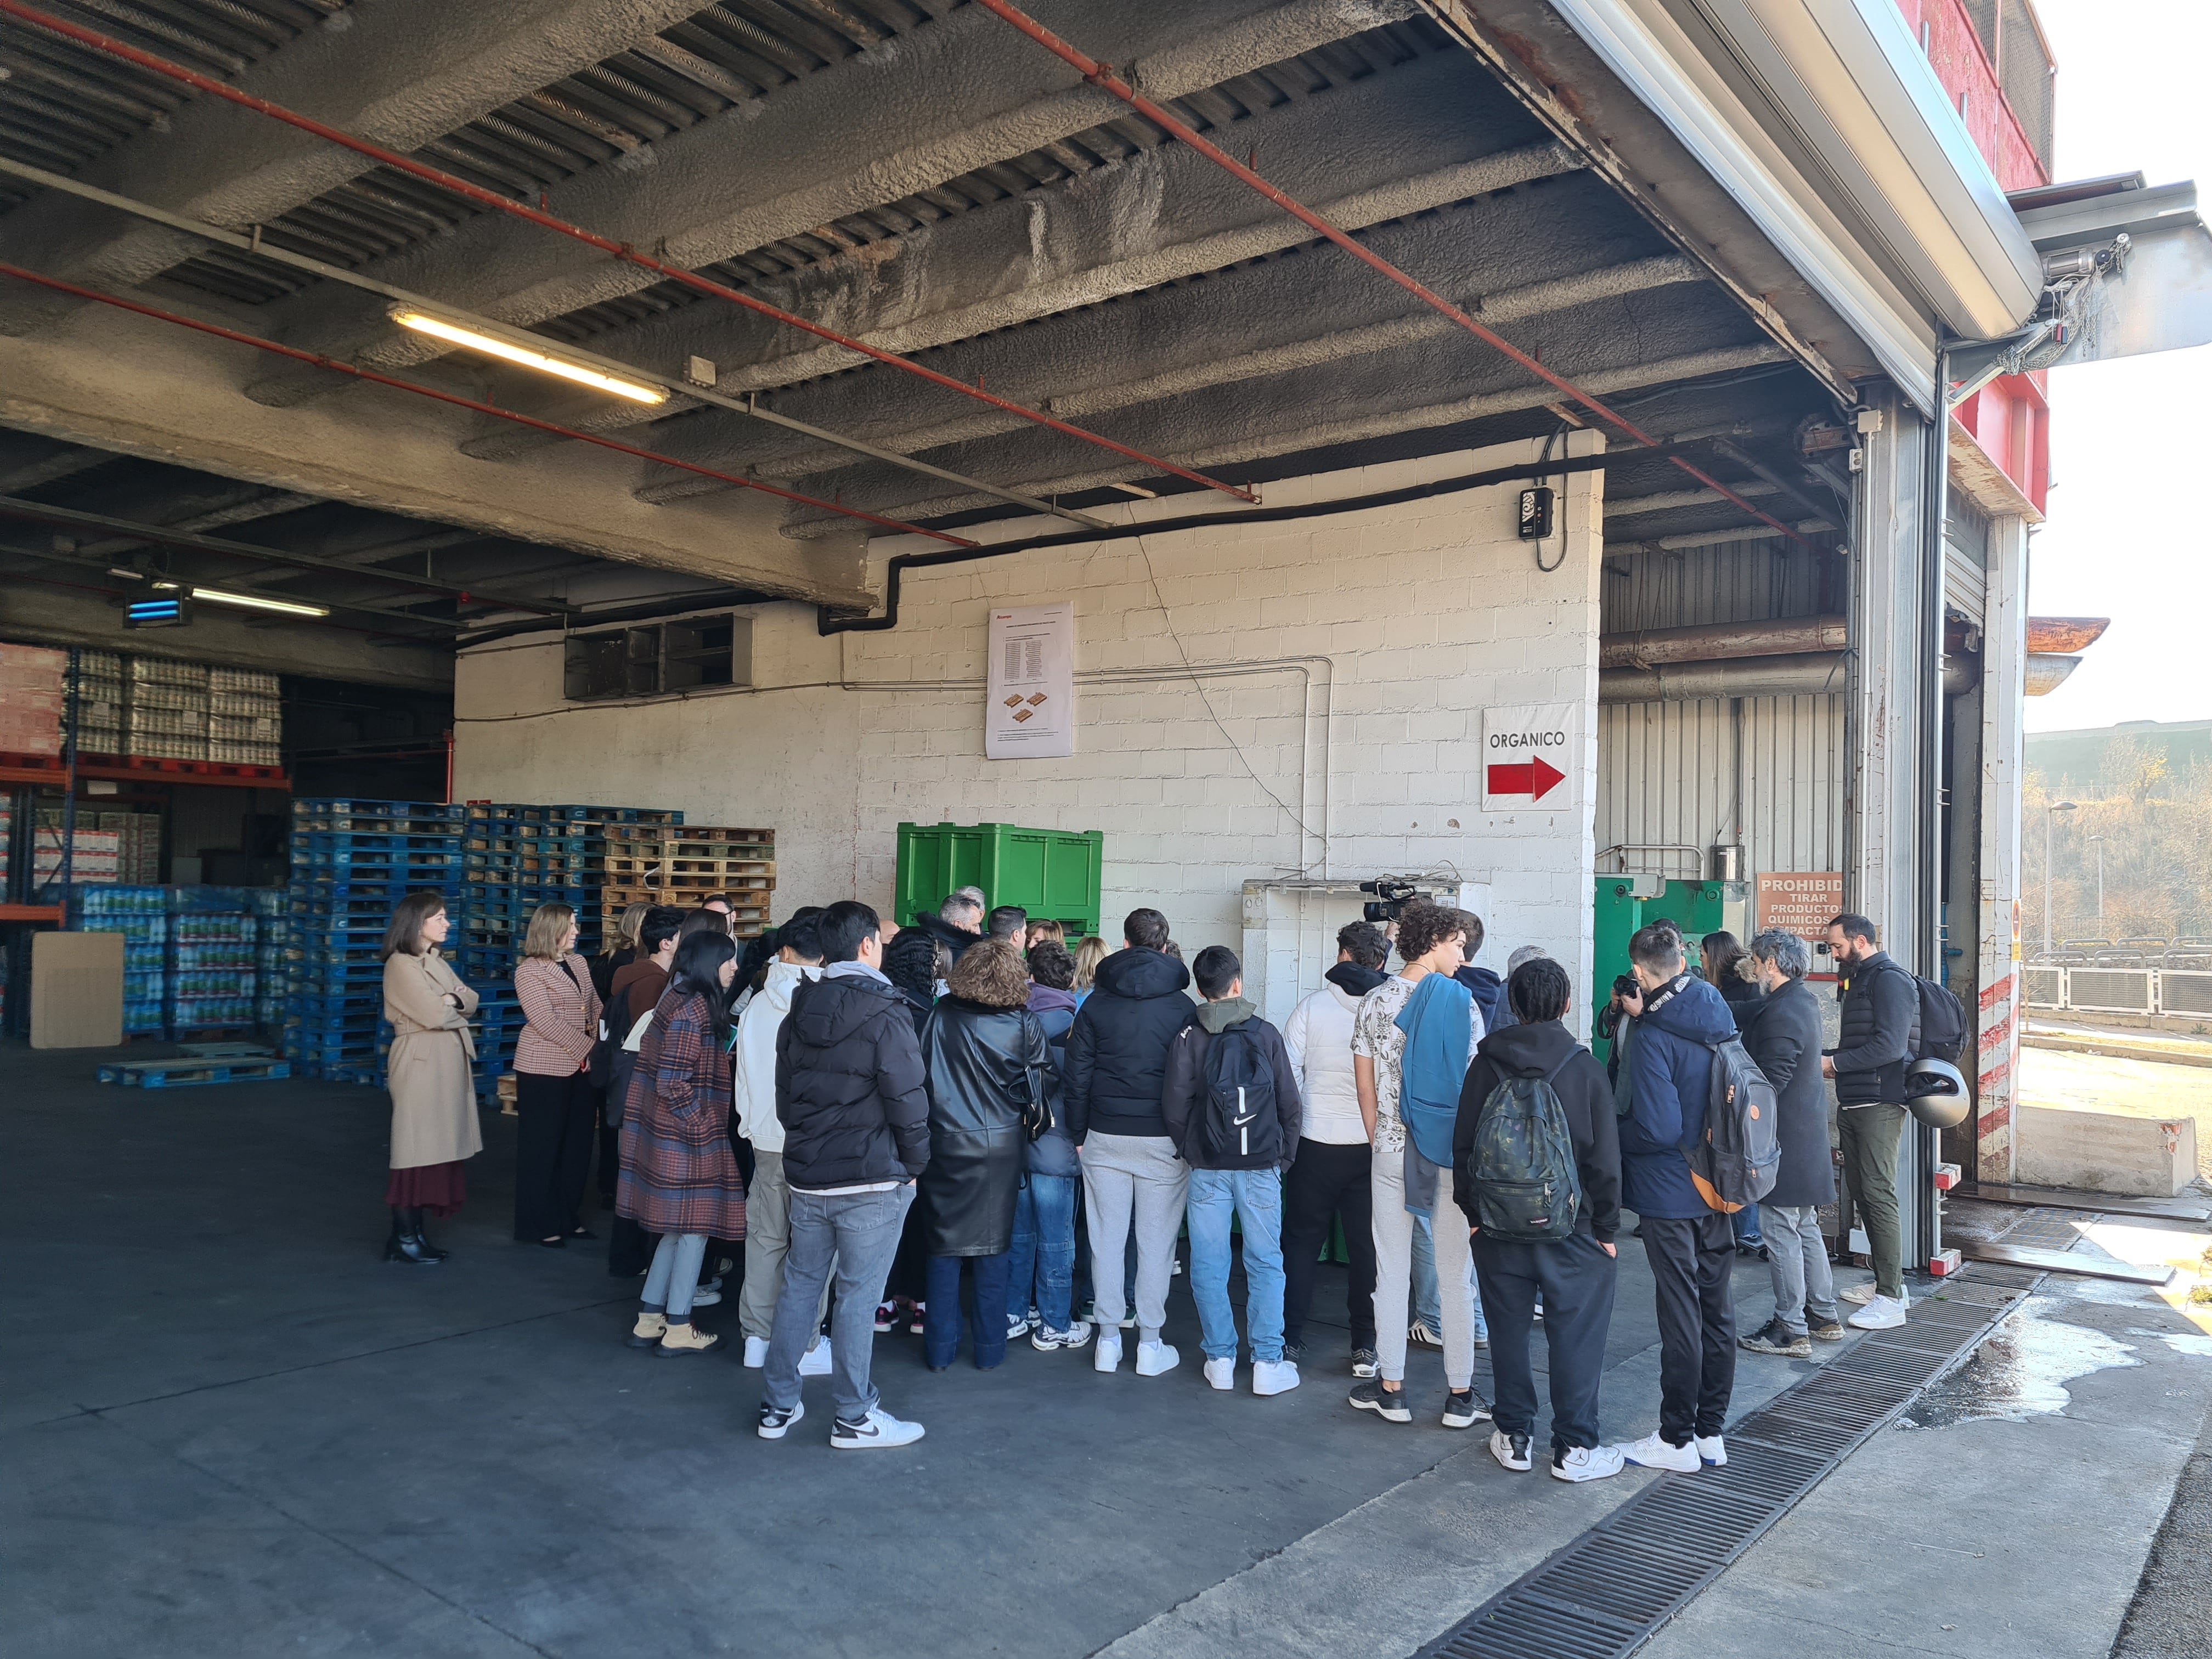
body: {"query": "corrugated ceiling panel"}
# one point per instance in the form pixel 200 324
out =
pixel 1744 582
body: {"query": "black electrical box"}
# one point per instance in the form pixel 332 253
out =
pixel 1536 513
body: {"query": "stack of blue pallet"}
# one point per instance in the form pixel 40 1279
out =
pixel 352 863
pixel 140 914
pixel 519 857
pixel 272 931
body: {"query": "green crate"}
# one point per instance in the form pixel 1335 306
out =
pixel 1048 872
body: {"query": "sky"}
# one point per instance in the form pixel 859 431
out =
pixel 2127 535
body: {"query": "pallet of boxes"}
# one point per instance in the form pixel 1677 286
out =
pixel 685 866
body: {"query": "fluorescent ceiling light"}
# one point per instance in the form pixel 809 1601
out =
pixel 492 345
pixel 255 602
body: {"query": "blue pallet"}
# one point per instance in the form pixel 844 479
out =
pixel 195 1074
pixel 323 805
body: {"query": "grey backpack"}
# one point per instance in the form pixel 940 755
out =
pixel 1526 1189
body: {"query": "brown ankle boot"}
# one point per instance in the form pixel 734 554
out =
pixel 647 1332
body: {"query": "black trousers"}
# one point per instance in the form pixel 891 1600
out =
pixel 610 1148
pixel 1576 1278
pixel 1325 1182
pixel 552 1151
pixel 1692 1260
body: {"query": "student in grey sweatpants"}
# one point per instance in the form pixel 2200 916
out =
pixel 1116 1066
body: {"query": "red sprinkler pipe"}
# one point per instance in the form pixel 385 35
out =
pixel 622 251
pixel 460 402
pixel 1103 76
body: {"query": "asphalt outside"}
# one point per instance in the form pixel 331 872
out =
pixel 226 1427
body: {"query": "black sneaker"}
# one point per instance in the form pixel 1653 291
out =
pixel 1777 1339
pixel 775 1422
pixel 1364 1362
pixel 1295 1353
pixel 1463 1411
pixel 1388 1404
pixel 1825 1330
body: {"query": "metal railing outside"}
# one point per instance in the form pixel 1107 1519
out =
pixel 2166 992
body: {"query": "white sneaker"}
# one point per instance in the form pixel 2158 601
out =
pixel 1712 1451
pixel 1654 1452
pixel 878 1428
pixel 1220 1373
pixel 1045 1339
pixel 1019 1326
pixel 1107 1356
pixel 1156 1359
pixel 756 1352
pixel 1512 1450
pixel 1274 1376
pixel 1881 1314
pixel 815 1362
pixel 1586 1463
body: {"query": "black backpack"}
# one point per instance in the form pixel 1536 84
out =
pixel 1737 1160
pixel 1527 1188
pixel 1943 1021
pixel 1235 1126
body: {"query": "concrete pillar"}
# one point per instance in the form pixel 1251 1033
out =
pixel 1995 1015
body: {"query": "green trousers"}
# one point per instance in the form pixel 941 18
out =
pixel 1871 1136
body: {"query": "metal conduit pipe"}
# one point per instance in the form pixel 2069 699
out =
pixel 1809 674
pixel 1713 642
pixel 122 50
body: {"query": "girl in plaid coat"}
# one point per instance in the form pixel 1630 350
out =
pixel 679 1178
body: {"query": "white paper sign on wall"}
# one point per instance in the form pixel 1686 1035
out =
pixel 1029 711
pixel 1528 757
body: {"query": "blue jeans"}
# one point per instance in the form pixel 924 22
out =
pixel 849 1237
pixel 940 1326
pixel 1254 1197
pixel 1428 1300
pixel 1042 1272
pixel 1744 1223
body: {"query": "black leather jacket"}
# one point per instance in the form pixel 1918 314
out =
pixel 983 1065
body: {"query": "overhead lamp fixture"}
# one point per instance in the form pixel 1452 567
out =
pixel 250 601
pixel 508 350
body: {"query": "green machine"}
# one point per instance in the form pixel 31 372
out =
pixel 1052 873
pixel 1623 903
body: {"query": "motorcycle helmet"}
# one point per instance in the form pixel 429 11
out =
pixel 1936 1093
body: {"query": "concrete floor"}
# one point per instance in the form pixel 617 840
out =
pixel 226 1427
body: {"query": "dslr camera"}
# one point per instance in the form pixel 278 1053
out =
pixel 1390 897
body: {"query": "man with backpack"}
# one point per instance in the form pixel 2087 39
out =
pixel 1880 1033
pixel 1680 1021
pixel 1230 1102
pixel 1536 1169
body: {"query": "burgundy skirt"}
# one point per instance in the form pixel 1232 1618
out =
pixel 438 1187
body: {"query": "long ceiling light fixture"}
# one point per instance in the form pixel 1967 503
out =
pixel 1104 77
pixel 621 250
pixel 492 346
pixel 250 601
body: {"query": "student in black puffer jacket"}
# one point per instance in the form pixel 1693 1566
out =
pixel 1117 1053
pixel 850 1095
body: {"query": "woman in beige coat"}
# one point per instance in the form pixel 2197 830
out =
pixel 433 1101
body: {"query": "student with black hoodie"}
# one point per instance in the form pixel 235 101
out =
pixel 1330 1179
pixel 1575 1274
pixel 1117 1053
pixel 851 1095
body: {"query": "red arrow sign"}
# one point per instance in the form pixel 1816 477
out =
pixel 1534 779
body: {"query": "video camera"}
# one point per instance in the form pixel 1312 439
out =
pixel 1391 898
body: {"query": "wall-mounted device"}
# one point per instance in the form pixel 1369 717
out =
pixel 1536 504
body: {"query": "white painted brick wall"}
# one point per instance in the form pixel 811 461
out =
pixel 1334 728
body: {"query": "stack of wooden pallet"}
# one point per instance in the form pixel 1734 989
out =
pixel 685 867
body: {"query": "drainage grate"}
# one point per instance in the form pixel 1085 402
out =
pixel 1607 1593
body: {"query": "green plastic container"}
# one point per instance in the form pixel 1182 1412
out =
pixel 1051 873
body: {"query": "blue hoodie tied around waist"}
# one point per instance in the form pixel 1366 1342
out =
pixel 1437 1020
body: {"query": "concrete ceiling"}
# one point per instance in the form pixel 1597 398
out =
pixel 911 172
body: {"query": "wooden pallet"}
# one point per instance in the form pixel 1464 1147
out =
pixel 194 1072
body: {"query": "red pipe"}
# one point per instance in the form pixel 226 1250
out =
pixel 460 402
pixel 622 251
pixel 1102 75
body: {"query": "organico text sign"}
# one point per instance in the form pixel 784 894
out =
pixel 1800 901
pixel 1528 757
